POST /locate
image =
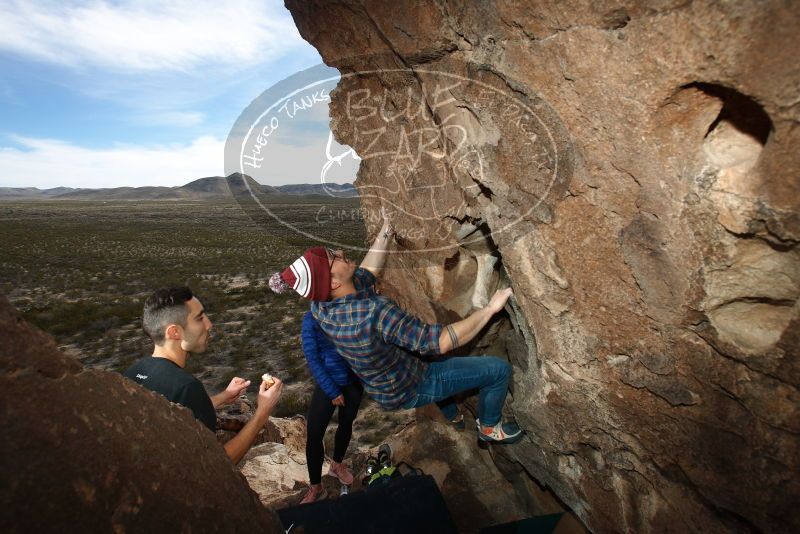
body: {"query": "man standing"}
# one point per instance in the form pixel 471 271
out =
pixel 176 322
pixel 376 337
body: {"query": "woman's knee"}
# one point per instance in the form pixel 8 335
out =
pixel 314 435
pixel 316 427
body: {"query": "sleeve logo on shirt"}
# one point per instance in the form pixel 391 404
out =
pixel 141 377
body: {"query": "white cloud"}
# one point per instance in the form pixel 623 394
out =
pixel 179 119
pixel 149 35
pixel 48 163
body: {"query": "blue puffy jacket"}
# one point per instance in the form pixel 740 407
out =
pixel 328 367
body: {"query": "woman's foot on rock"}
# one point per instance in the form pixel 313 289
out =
pixel 314 493
pixel 341 472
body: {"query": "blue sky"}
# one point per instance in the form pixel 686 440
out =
pixel 105 94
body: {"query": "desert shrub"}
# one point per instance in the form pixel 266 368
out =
pixel 371 438
pixel 292 403
pixel 89 318
pixel 372 420
pixel 298 372
pixel 80 270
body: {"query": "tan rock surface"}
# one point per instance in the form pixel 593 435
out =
pixel 276 469
pixel 631 168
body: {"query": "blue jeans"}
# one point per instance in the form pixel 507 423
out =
pixel 454 375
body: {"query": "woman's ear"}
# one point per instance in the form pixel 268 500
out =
pixel 335 284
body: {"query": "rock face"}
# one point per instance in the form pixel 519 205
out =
pixel 90 451
pixel 631 169
pixel 276 469
pixel 476 495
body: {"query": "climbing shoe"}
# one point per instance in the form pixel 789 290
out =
pixel 500 433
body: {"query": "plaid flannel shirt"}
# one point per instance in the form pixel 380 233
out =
pixel 375 336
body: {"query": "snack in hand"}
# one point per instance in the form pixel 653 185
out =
pixel 266 377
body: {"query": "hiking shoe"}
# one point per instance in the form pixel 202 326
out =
pixel 372 466
pixel 501 433
pixel 385 455
pixel 458 422
pixel 314 493
pixel 341 472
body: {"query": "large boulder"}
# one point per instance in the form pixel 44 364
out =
pixel 91 451
pixel 276 469
pixel 631 169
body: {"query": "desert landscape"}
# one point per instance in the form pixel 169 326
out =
pixel 81 269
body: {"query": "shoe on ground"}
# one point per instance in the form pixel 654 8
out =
pixel 341 472
pixel 384 455
pixel 313 494
pixel 500 433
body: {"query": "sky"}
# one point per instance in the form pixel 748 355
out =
pixel 133 93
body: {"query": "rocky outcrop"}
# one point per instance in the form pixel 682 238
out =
pixel 630 168
pixel 276 469
pixel 475 493
pixel 90 451
pixel 474 490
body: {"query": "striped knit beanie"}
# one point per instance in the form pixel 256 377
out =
pixel 309 275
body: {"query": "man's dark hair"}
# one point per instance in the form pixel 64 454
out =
pixel 164 307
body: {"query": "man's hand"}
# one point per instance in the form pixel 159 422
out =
pixel 268 396
pixel 376 257
pixel 231 393
pixel 338 401
pixel 387 228
pixel 499 300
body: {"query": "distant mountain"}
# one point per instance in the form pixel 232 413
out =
pixel 56 191
pixel 213 187
pixel 336 190
pixel 33 192
pixel 235 185
pixel 118 193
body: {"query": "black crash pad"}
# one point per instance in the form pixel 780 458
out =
pixel 407 504
pixel 543 524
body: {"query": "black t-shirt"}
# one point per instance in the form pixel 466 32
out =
pixel 166 377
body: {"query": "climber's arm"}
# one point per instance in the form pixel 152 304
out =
pixel 376 257
pixel 463 331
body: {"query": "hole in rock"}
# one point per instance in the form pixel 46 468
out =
pixel 740 131
pixel 750 298
pixel 473 271
pixel 472 276
pixel 616 19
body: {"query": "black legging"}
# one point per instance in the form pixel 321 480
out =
pixel 319 415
